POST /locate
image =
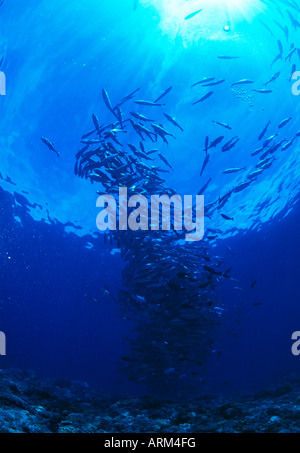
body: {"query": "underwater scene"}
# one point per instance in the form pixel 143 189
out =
pixel 149 209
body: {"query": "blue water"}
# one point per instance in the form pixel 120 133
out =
pixel 57 58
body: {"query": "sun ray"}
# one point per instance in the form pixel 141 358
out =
pixel 212 16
